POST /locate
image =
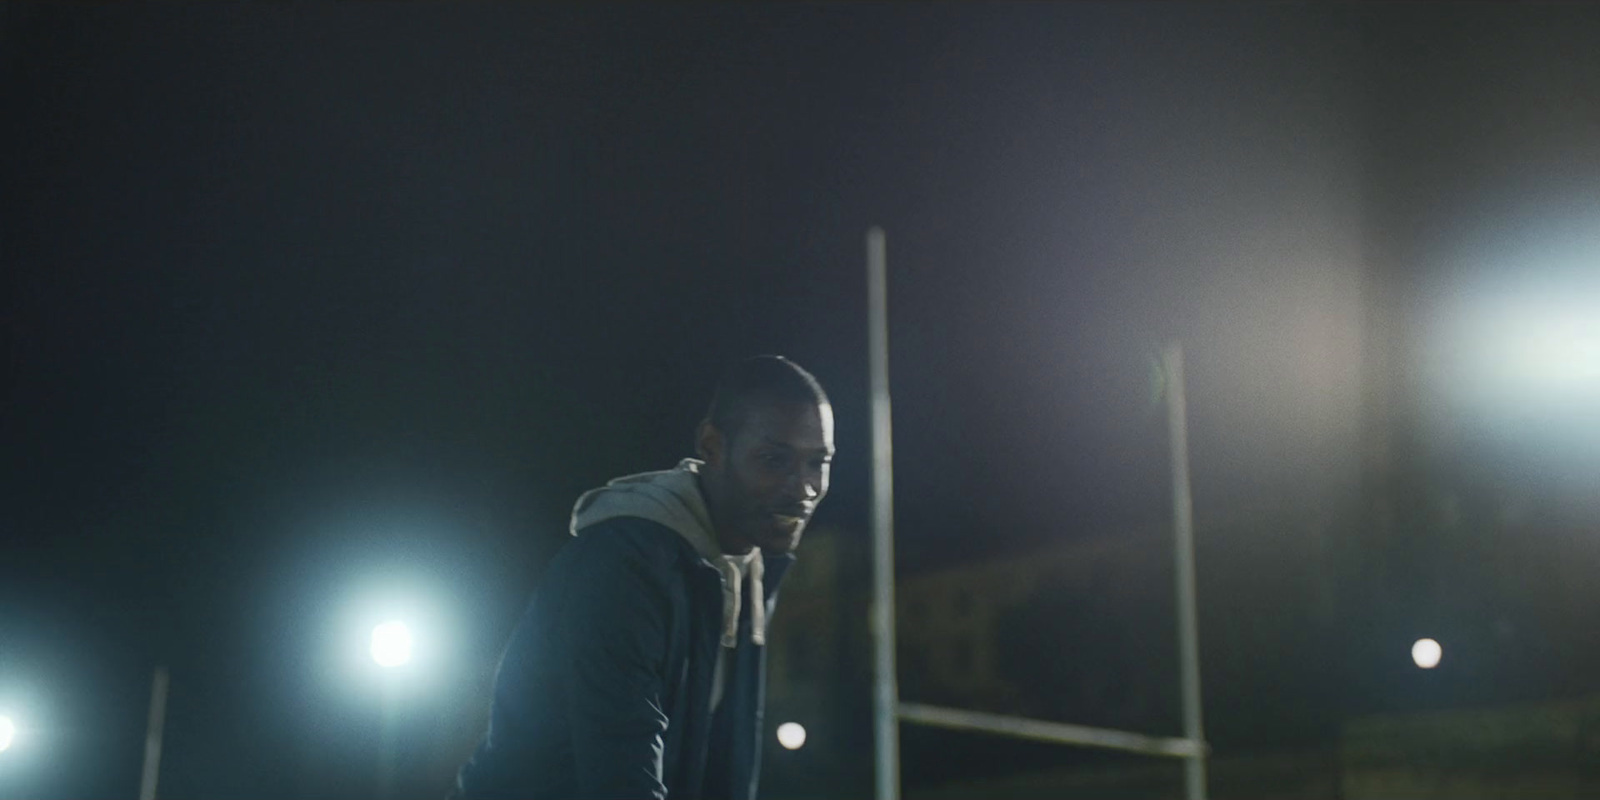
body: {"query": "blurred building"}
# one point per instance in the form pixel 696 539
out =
pixel 1082 632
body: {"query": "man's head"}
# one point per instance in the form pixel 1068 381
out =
pixel 767 443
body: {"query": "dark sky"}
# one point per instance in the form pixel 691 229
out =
pixel 302 299
pixel 308 299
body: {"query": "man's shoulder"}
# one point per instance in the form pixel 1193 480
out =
pixel 631 538
pixel 624 551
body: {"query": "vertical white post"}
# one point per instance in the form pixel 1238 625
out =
pixel 1194 772
pixel 388 734
pixel 152 734
pixel 886 692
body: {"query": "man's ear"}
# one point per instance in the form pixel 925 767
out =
pixel 709 444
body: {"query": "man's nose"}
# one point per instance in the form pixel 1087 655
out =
pixel 803 486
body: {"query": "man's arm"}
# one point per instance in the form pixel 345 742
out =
pixel 614 641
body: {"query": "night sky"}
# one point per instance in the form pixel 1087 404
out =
pixel 303 300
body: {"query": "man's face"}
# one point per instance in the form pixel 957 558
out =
pixel 765 482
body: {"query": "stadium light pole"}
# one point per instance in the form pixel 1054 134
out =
pixel 155 726
pixel 391 649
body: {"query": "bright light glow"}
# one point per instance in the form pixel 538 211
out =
pixel 1522 327
pixel 1552 350
pixel 1514 364
pixel 792 735
pixel 1426 653
pixel 8 733
pixel 391 644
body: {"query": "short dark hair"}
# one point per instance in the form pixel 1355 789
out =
pixel 758 381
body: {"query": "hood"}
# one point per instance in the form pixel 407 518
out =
pixel 672 498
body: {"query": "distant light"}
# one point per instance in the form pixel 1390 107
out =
pixel 391 644
pixel 1426 653
pixel 792 735
pixel 1554 349
pixel 1514 344
pixel 8 732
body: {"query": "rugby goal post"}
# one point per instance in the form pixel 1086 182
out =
pixel 888 711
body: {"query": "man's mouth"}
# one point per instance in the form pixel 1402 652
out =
pixel 788 519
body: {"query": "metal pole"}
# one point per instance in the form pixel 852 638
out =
pixel 388 724
pixel 886 694
pixel 154 727
pixel 1194 771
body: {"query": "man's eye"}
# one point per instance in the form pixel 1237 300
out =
pixel 773 459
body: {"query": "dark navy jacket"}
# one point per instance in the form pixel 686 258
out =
pixel 604 690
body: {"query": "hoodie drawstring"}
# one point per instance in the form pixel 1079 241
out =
pixel 758 602
pixel 734 569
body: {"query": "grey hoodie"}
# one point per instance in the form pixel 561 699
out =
pixel 672 498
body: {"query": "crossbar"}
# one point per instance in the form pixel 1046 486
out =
pixel 1059 732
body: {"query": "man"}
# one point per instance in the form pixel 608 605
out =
pixel 639 668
